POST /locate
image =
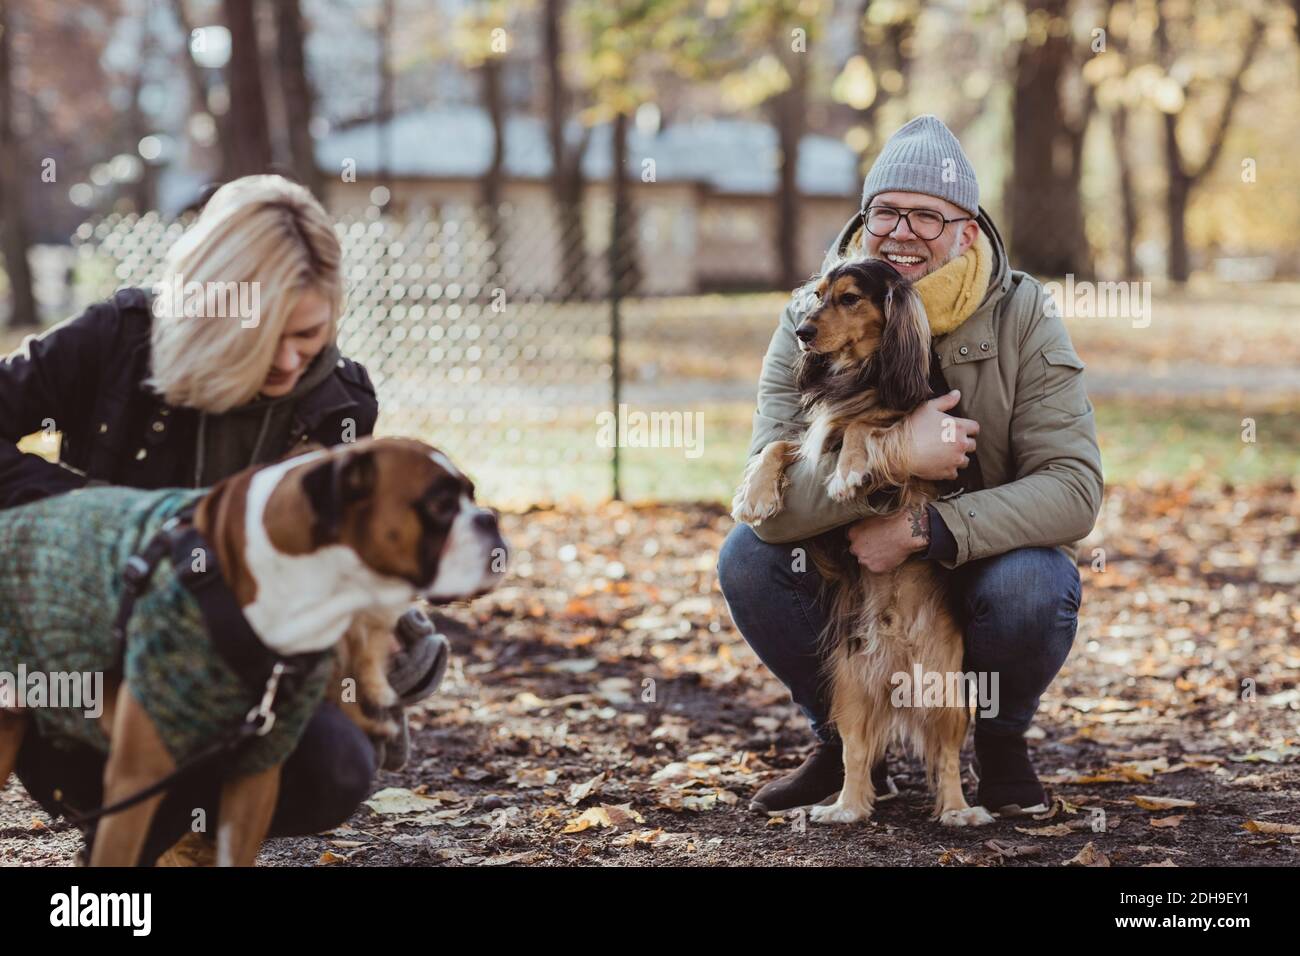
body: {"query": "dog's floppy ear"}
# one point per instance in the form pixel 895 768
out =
pixel 332 486
pixel 904 354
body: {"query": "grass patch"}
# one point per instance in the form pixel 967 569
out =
pixel 1200 441
pixel 1142 442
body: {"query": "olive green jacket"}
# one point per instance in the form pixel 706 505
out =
pixel 1019 377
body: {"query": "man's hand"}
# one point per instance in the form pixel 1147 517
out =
pixel 939 443
pixel 883 542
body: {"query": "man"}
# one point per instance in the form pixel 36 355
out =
pixel 1033 486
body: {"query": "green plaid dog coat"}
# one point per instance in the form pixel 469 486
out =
pixel 61 579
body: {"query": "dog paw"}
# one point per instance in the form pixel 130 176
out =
pixel 843 486
pixel 752 504
pixel 837 813
pixel 970 817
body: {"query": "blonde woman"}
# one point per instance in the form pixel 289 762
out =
pixel 230 361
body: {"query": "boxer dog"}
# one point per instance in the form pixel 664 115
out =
pixel 306 547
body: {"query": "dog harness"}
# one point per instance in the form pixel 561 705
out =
pixel 79 593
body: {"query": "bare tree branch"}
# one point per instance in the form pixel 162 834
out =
pixel 1253 43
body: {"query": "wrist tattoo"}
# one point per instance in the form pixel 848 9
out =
pixel 919 516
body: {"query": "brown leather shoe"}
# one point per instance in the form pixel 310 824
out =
pixel 818 777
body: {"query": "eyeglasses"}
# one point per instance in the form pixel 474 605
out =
pixel 924 223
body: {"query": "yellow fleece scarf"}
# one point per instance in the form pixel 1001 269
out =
pixel 953 292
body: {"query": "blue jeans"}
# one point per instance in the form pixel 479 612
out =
pixel 1019 615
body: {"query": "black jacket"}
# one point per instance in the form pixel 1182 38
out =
pixel 85 379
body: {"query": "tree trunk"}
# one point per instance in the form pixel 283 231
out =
pixel 1177 193
pixel 1047 232
pixel 1181 178
pixel 199 90
pixel 788 111
pixel 891 54
pixel 22 302
pixel 295 89
pixel 1127 192
pixel 250 136
pixel 494 106
pixel 566 162
pixel 143 191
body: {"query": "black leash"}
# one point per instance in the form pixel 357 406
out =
pixel 261 669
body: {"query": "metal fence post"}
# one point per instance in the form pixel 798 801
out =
pixel 616 339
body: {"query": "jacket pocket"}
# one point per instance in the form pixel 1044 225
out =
pixel 1063 388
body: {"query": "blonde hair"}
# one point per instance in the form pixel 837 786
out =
pixel 267 235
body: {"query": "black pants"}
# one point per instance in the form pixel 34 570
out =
pixel 321 784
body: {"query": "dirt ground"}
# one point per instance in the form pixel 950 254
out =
pixel 602 710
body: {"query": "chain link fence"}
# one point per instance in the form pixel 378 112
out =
pixel 486 350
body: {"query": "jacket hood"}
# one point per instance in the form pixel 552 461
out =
pixel 999 281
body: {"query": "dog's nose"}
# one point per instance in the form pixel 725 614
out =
pixel 485 521
pixel 806 333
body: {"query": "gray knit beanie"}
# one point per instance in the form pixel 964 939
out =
pixel 924 157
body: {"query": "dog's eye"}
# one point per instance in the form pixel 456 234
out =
pixel 849 299
pixel 442 502
pixel 436 513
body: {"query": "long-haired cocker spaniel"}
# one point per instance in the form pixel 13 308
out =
pixel 864 365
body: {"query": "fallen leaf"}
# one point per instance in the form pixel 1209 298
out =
pixel 649 838
pixel 581 791
pixel 529 777
pixel 603 816
pixel 397 800
pixel 680 771
pixel 1055 830
pixel 1270 755
pixel 1167 822
pixel 1011 852
pixel 576 666
pixel 1089 856
pixel 526 856
pixel 1162 803
pixel 1256 781
pixel 1265 826
pixel 1059 805
pixel 1135 772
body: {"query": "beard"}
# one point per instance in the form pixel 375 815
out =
pixel 933 260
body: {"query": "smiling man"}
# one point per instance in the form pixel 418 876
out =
pixel 1022 467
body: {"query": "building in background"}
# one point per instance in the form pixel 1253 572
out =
pixel 704 192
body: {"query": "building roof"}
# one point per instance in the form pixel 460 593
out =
pixel 728 155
